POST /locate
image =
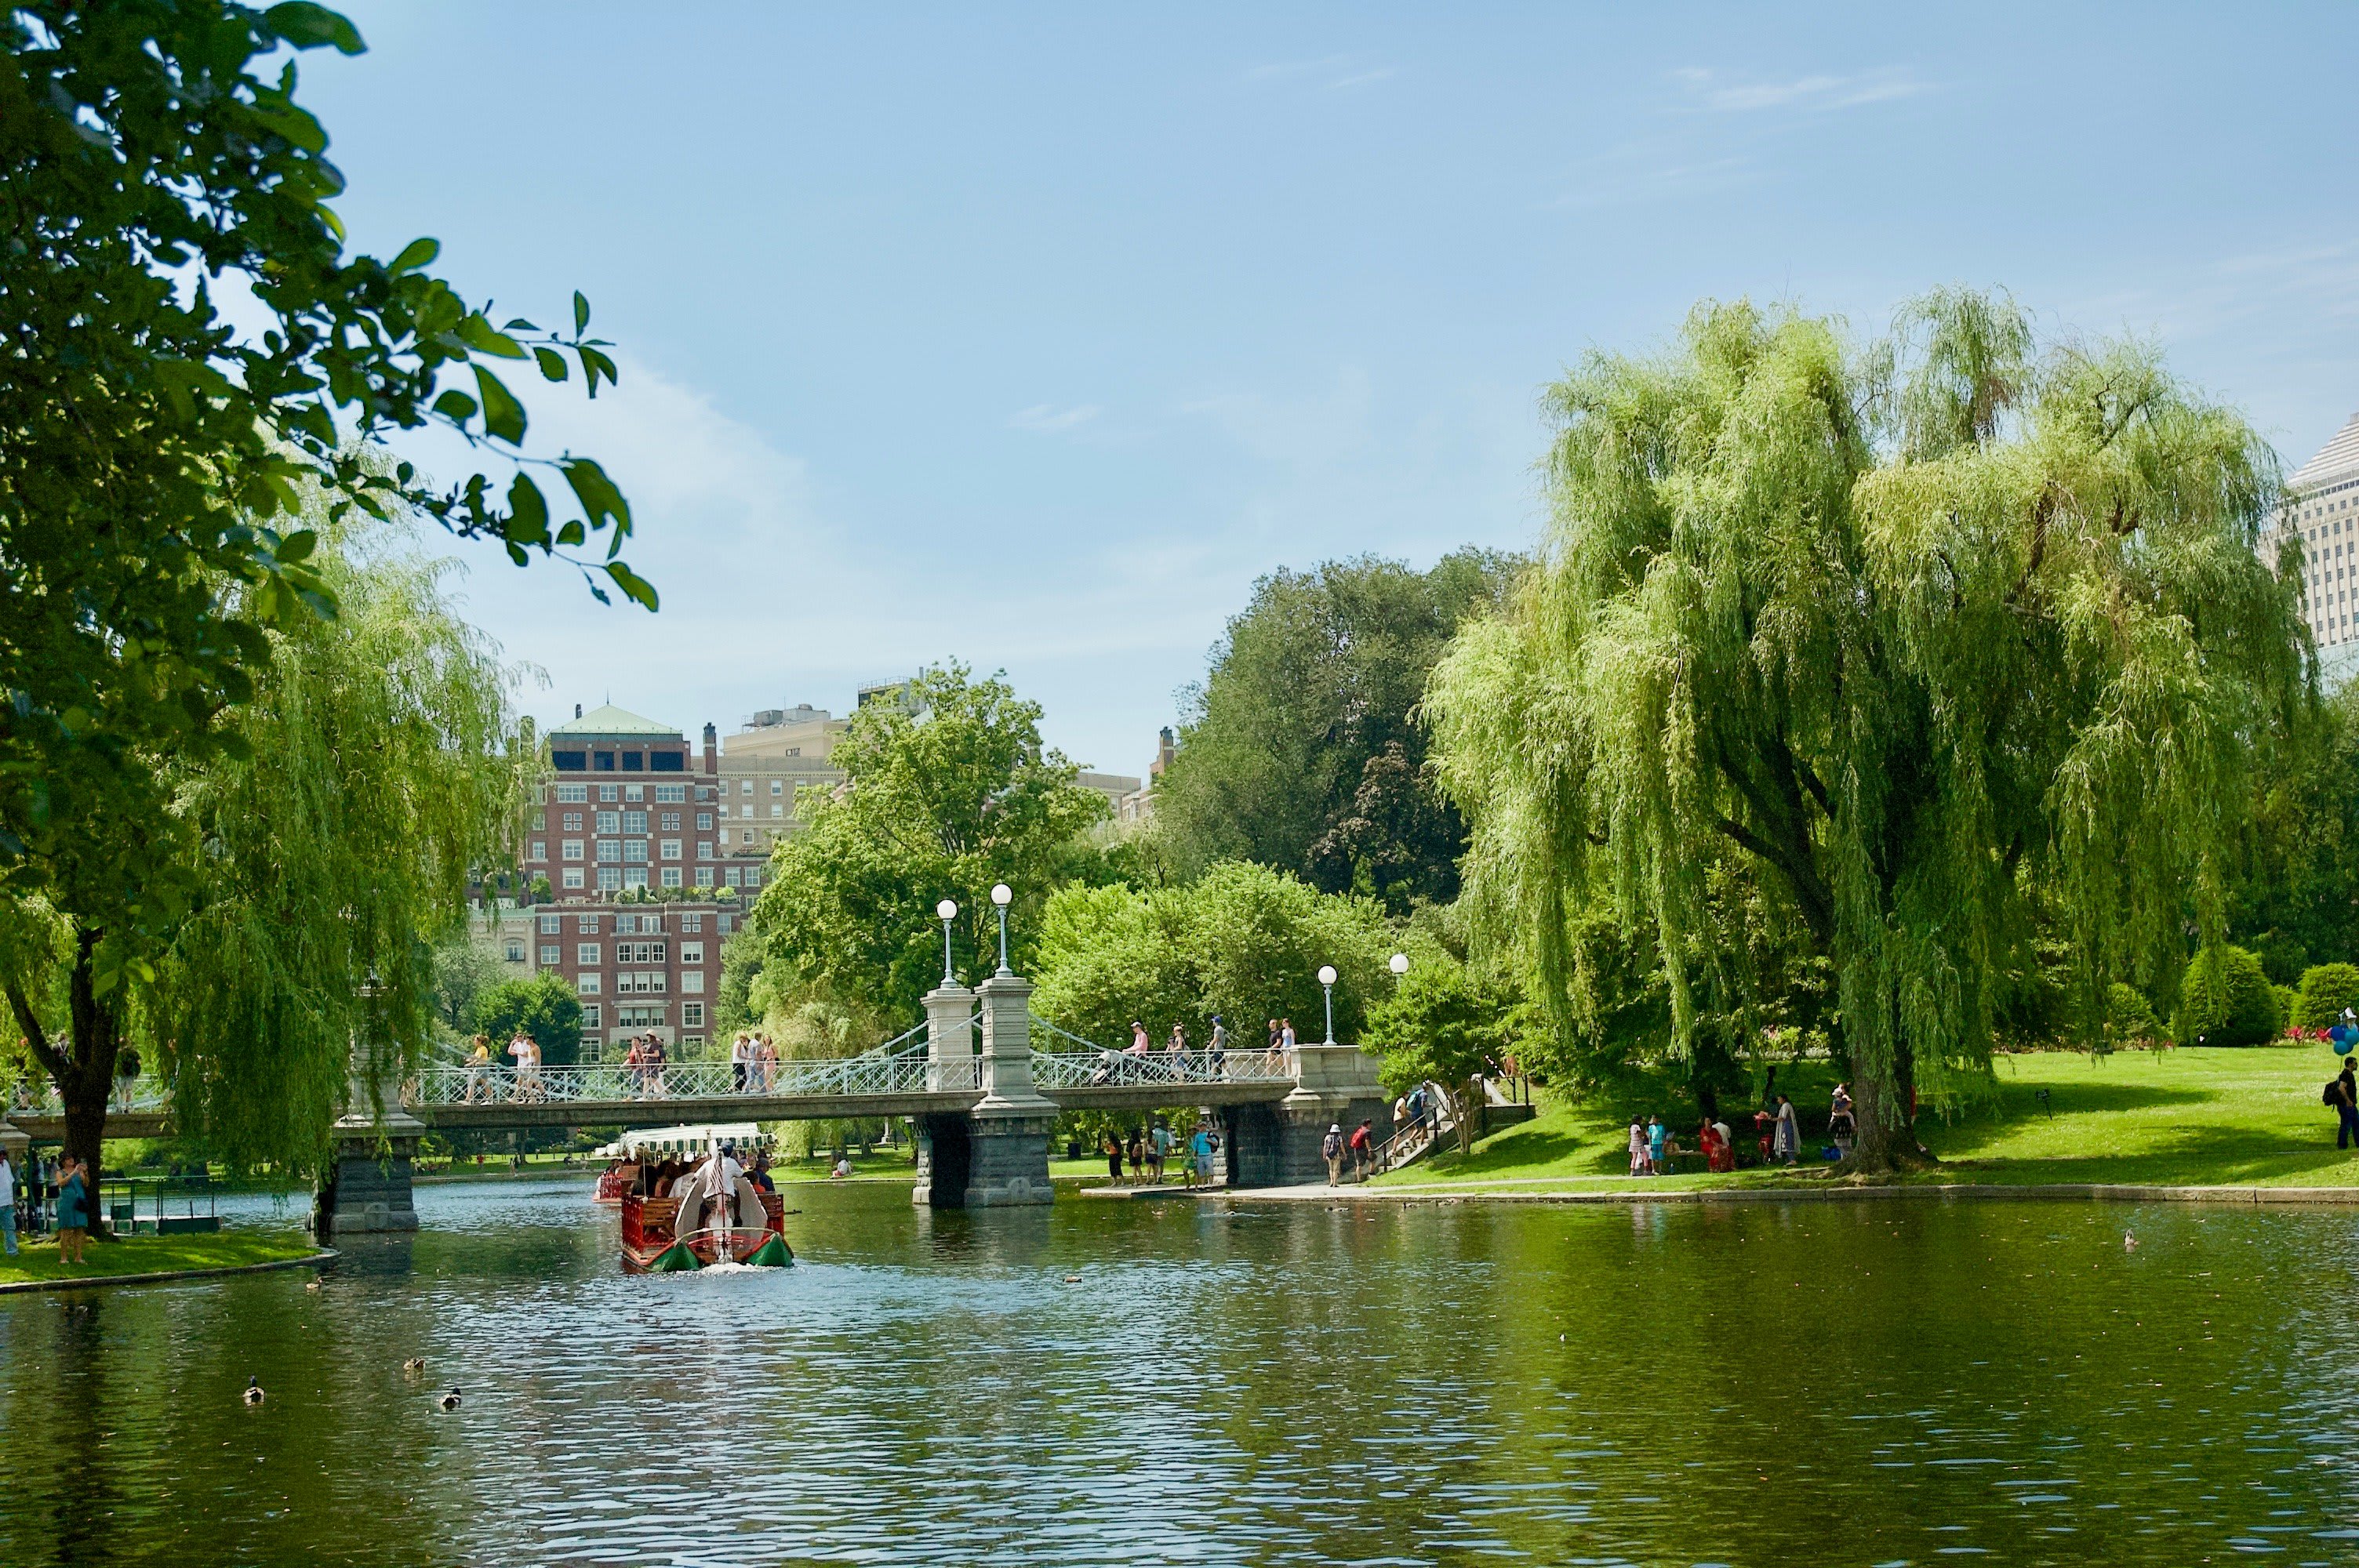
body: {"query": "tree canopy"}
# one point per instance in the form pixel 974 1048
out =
pixel 947 791
pixel 1243 942
pixel 1302 752
pixel 543 1006
pixel 1926 634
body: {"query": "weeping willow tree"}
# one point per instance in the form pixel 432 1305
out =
pixel 376 764
pixel 1926 634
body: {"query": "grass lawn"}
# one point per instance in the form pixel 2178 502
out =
pixel 151 1255
pixel 2189 1117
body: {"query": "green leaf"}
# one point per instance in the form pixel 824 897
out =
pixel 640 590
pixel 593 365
pixel 417 254
pixel 454 404
pixel 581 313
pixel 601 500
pixel 517 324
pixel 297 547
pixel 503 414
pixel 572 533
pixel 306 26
pixel 552 363
pixel 528 513
pixel 481 336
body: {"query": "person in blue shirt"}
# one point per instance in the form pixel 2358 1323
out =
pixel 73 1211
pixel 1199 1150
pixel 1655 1143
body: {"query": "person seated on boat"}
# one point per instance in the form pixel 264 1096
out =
pixel 666 1175
pixel 760 1174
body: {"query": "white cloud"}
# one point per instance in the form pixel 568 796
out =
pixel 1048 418
pixel 1720 94
pixel 1335 73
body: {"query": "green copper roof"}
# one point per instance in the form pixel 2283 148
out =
pixel 610 719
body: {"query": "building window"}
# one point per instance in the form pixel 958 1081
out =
pixel 552 955
pixel 603 761
pixel 590 1013
pixel 585 985
pixel 668 761
pixel 670 848
pixel 703 851
pixel 734 874
pixel 607 794
pixel 745 787
pixel 691 1041
pixel 540 821
pixel 704 822
pixel 573 876
pixel 691 979
pixel 728 923
pixel 574 822
pixel 586 955
pixel 671 876
pixel 573 794
pixel 551 924
pixel 635 822
pixel 691 1015
pixel 640 952
pixel 610 879
pixel 610 822
pixel 610 851
pixel 670 822
pixel 635 762
pixel 634 850
pixel 515 951
pixel 670 795
pixel 746 811
pixel 641 1015
pixel 752 876
pixel 634 876
pixel 778 786
pixel 691 921
pixel 776 810
pixel 570 849
pixel 587 925
pixel 635 791
pixel 690 952
pixel 540 849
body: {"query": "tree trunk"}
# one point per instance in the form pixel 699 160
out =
pixel 83 1066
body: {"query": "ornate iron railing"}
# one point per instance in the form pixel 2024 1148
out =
pixel 1053 1070
pixel 870 1074
pixel 40 1097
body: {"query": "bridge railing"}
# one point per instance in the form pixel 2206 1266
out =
pixel 1100 1068
pixel 40 1096
pixel 872 1073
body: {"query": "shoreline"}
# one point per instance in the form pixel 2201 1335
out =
pixel 319 1260
pixel 2099 1192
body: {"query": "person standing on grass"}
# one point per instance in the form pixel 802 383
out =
pixel 1787 1140
pixel 1654 1145
pixel 73 1211
pixel 8 1202
pixel 2342 1094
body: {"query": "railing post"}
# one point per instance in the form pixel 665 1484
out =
pixel 1008 1131
pixel 950 1038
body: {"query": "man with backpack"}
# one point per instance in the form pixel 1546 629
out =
pixel 2342 1094
pixel 1331 1149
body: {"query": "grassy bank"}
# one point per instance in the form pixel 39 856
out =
pixel 2190 1117
pixel 150 1255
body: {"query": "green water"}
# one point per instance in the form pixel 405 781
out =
pixel 1270 1383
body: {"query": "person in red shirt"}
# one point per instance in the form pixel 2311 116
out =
pixel 1363 1146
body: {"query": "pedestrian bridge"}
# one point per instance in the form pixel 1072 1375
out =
pixel 910 1083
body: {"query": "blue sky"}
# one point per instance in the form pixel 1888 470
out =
pixel 1031 335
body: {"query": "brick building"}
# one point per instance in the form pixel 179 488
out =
pixel 624 817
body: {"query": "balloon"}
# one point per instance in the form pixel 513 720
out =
pixel 2342 1047
pixel 2338 1034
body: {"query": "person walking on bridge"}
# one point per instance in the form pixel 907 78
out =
pixel 479 1070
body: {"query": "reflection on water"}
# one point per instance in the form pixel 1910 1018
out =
pixel 1274 1383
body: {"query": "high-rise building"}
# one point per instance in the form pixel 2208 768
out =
pixel 2321 506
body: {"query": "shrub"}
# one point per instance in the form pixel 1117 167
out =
pixel 2326 991
pixel 2226 1000
pixel 2130 1015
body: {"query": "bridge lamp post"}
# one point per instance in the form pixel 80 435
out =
pixel 1399 965
pixel 1327 984
pixel 1003 896
pixel 947 911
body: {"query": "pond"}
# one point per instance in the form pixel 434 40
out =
pixel 1247 1382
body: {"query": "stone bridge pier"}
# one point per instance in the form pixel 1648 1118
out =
pixel 1277 1145
pixel 366 1189
pixel 995 1154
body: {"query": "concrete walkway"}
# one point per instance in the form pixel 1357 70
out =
pixel 2048 1192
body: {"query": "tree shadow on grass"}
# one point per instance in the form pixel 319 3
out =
pixel 2197 1156
pixel 1521 1151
